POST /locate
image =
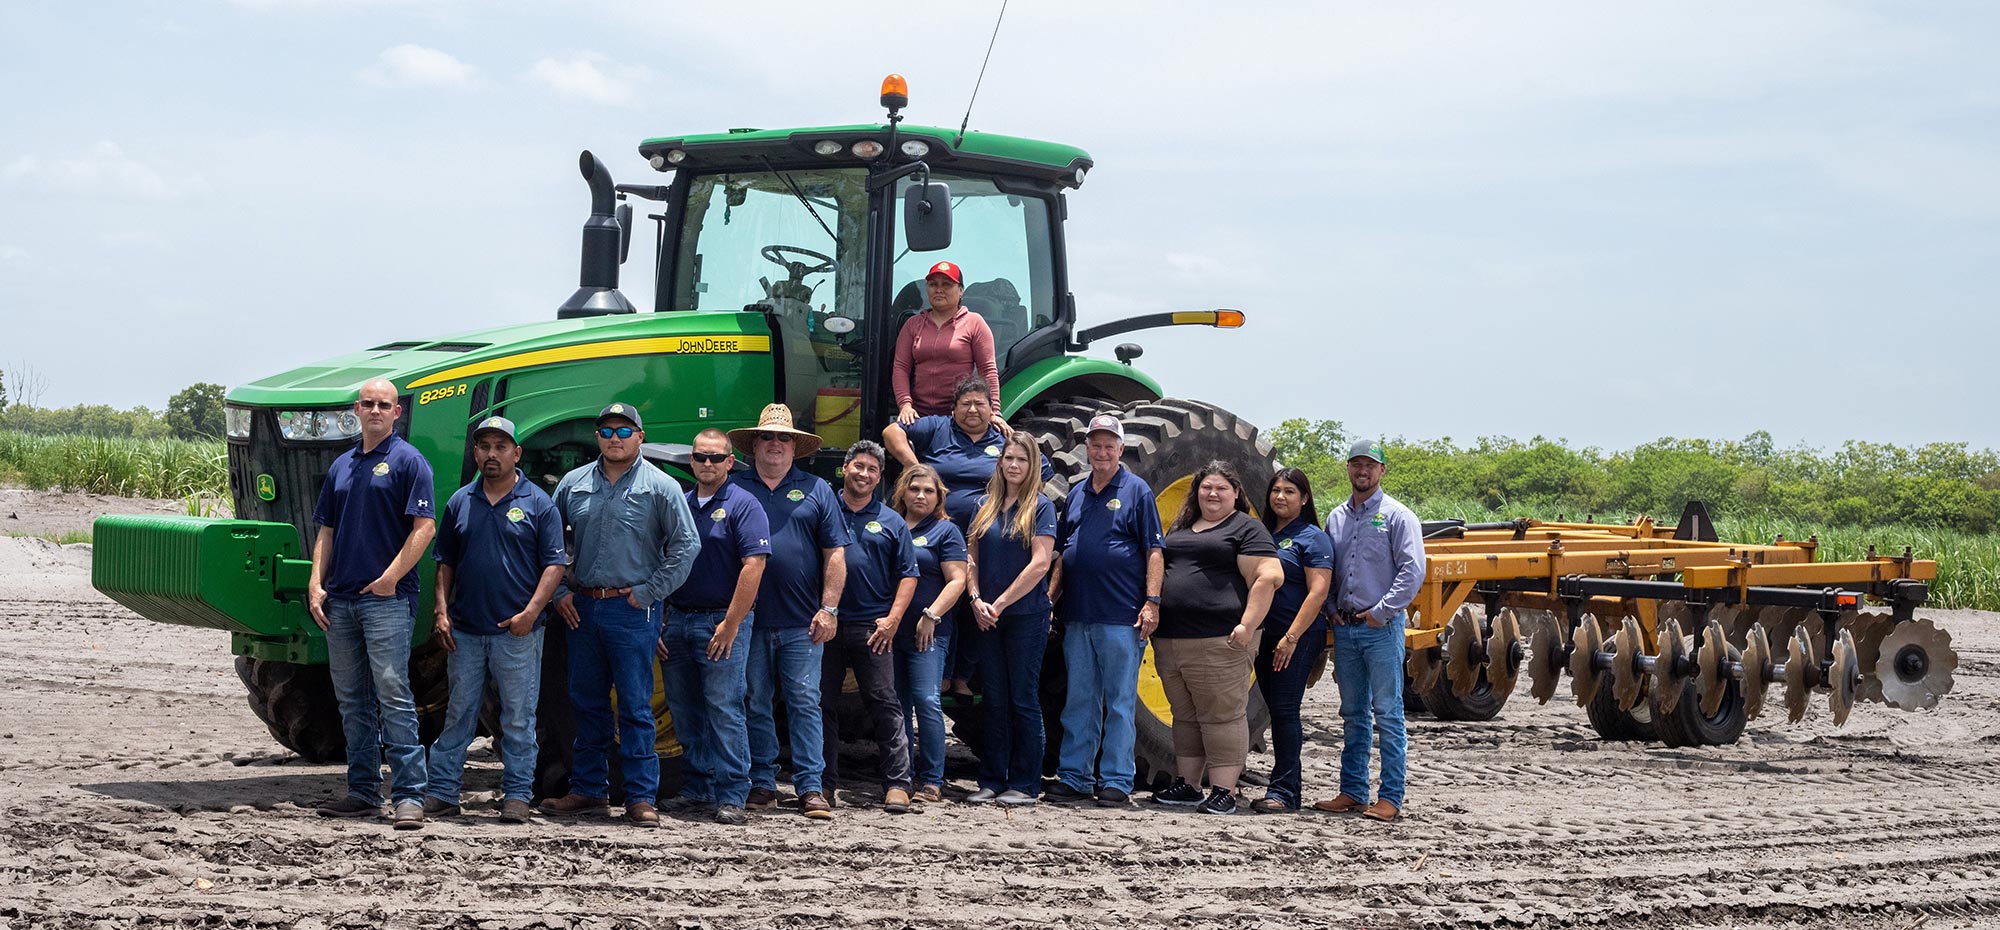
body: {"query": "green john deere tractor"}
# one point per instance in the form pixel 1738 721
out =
pixel 787 262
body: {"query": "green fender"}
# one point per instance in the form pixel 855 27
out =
pixel 1073 375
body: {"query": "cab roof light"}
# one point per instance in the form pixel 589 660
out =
pixel 895 92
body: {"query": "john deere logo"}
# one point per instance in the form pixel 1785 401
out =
pixel 617 408
pixel 493 423
pixel 874 526
pixel 795 495
pixel 993 451
pixel 1113 504
pixel 381 469
pixel 267 488
pixel 1378 521
pixel 719 514
pixel 921 541
pixel 516 515
pixel 1285 543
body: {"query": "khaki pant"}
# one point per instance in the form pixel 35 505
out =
pixel 1208 689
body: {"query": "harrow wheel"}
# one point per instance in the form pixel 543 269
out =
pixel 1545 661
pixel 1842 677
pixel 1756 670
pixel 1637 724
pixel 1670 674
pixel 1462 689
pixel 1915 665
pixel 1584 677
pixel 1684 723
pixel 1628 681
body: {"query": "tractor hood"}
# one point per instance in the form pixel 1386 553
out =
pixel 414 365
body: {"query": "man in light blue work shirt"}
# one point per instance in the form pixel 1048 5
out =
pixel 1378 564
pixel 634 542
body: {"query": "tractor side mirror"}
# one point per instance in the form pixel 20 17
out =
pixel 624 232
pixel 927 216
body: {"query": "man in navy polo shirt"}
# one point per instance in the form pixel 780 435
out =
pixel 1112 567
pixel 798 604
pixel 375 516
pixel 706 646
pixel 881 579
pixel 500 557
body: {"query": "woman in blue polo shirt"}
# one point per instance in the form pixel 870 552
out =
pixel 926 634
pixel 1011 542
pixel 1294 629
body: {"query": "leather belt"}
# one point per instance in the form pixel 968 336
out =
pixel 1349 617
pixel 601 594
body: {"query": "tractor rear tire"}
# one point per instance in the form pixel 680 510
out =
pixel 297 703
pixel 1166 440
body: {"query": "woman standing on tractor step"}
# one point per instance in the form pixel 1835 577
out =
pixel 1222 568
pixel 925 637
pixel 941 345
pixel 1012 543
pixel 1294 630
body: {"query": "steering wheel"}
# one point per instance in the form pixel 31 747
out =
pixel 775 254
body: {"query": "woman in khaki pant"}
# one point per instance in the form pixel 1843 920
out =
pixel 1221 569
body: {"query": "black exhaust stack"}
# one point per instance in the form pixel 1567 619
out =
pixel 603 246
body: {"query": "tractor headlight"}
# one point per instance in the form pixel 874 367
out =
pixel 866 148
pixel 319 425
pixel 826 147
pixel 236 422
pixel 915 148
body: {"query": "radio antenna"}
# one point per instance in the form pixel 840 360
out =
pixel 955 143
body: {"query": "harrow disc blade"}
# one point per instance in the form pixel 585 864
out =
pixel 1463 651
pixel 1798 680
pixel 1868 630
pixel 1736 620
pixel 1711 679
pixel 1915 665
pixel 1545 662
pixel 1670 678
pixel 1842 677
pixel 1756 670
pixel 1674 610
pixel 1628 683
pixel 1585 643
pixel 1423 668
pixel 1503 652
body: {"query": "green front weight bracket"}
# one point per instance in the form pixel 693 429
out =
pixel 243 576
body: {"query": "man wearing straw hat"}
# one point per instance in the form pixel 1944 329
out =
pixel 797 606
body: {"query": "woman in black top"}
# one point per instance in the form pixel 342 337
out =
pixel 1221 568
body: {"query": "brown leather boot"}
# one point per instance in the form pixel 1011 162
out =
pixel 642 814
pixel 1340 804
pixel 1384 811
pixel 761 799
pixel 815 806
pixel 896 801
pixel 573 804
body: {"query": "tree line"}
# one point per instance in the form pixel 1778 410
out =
pixel 1941 484
pixel 194 413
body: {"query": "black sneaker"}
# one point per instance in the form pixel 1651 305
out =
pixel 1112 797
pixel 732 815
pixel 1220 801
pixel 350 806
pixel 1061 793
pixel 1178 794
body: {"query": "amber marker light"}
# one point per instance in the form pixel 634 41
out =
pixel 895 92
pixel 1229 318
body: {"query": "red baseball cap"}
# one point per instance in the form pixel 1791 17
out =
pixel 947 269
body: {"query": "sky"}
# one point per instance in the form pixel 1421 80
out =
pixel 1606 223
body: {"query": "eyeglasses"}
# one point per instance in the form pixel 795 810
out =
pixel 710 458
pixel 376 404
pixel 774 437
pixel 622 432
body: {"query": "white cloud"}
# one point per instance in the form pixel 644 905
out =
pixel 105 170
pixel 417 66
pixel 590 77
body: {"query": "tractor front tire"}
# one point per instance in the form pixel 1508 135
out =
pixel 297 703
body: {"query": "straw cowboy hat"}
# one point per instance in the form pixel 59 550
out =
pixel 776 418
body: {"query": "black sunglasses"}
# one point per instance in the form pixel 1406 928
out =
pixel 709 458
pixel 774 437
pixel 376 404
pixel 622 432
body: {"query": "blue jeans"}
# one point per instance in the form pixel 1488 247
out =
pixel 1010 685
pixel 706 698
pixel 1369 661
pixel 610 650
pixel 1103 664
pixel 1283 693
pixel 368 655
pixel 514 665
pixel 919 675
pixel 784 666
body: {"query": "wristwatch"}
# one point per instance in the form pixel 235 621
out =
pixel 833 612
pixel 1153 599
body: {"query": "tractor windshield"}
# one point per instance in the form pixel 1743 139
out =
pixel 1002 242
pixel 792 240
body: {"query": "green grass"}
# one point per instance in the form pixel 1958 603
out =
pixel 59 537
pixel 167 468
pixel 1968 563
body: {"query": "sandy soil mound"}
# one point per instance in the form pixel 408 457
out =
pixel 138 791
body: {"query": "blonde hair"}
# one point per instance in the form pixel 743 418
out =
pixel 1022 522
pixel 910 476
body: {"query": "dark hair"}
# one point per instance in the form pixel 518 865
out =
pixel 1191 508
pixel 911 475
pixel 866 447
pixel 1297 479
pixel 970 384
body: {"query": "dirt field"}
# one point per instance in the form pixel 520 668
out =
pixel 136 789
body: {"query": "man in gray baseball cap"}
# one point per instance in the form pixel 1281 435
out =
pixel 500 556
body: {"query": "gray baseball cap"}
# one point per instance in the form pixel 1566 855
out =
pixel 501 425
pixel 1366 449
pixel 627 411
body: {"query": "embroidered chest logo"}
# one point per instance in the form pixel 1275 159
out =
pixel 873 526
pixel 992 452
pixel 1378 521
pixel 516 515
pixel 1113 504
pixel 381 469
pixel 1285 543
pixel 795 495
pixel 921 542
pixel 719 514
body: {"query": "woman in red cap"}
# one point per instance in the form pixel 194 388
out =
pixel 940 346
